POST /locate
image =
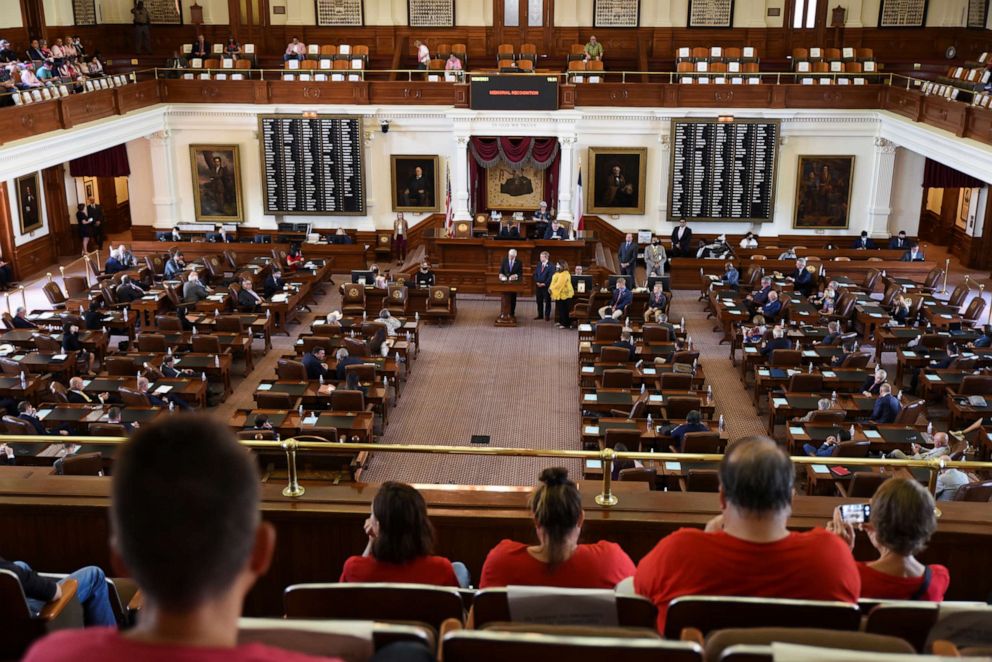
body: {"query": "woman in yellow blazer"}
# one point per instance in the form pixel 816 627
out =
pixel 562 293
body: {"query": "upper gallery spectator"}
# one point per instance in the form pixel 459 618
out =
pixel 295 50
pixel 747 550
pixel 34 53
pixel 423 54
pixel 91 591
pixel 177 61
pixel 233 48
pixel 401 542
pixel 453 63
pixel 201 47
pixel 6 54
pixel 141 20
pixel 682 240
pixel 914 254
pixel 900 524
pixel 558 559
pixel 594 49
pixel 186 525
pixel 750 240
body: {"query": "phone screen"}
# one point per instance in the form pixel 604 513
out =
pixel 855 513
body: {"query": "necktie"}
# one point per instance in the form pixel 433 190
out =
pixel 85 397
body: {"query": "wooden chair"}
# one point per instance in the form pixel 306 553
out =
pixel 365 371
pixel 21 627
pixel 675 381
pixel 610 354
pixel 107 430
pixel 654 333
pixel 492 646
pixel 492 605
pixel 133 398
pixel 975 492
pixel 707 614
pixel 607 332
pixel 700 480
pixel 86 464
pixel 397 297
pixel 353 300
pixel 380 602
pixel 168 323
pixel 974 311
pixel 617 378
pixel 863 485
pixel 754 644
pixel 207 344
pixel 701 442
pixel 275 400
pixel 54 295
pixel 290 369
pixel 629 438
pixel 678 407
pixel 910 622
pixel 346 400
pixel 17 426
pixel 439 303
pixel 151 342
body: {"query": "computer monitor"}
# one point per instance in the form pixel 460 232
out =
pixel 286 227
pixel 163 236
pixel 582 285
pixel 666 283
pixel 263 239
pixel 362 276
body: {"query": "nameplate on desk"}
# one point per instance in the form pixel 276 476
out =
pixel 656 398
pixel 673 466
pixel 780 402
pixel 280 298
pixel 217 297
pixel 164 388
pixel 59 357
pixel 585 328
pixel 590 397
pixel 829 373
pixel 794 430
pixel 820 468
pixel 591 429
pixel 872 434
pixel 264 387
pixel 803 312
pixel 587 369
pixel 763 373
pixel 909 354
pixel 309 421
pixel 874 314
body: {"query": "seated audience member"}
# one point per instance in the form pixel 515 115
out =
pixel 45 71
pixel 177 61
pixel 401 543
pixel 143 387
pixel 914 254
pixel 201 48
pixel 392 324
pixel 621 298
pixel 873 384
pixel 274 282
pixel 424 277
pixel 778 341
pixel 452 63
pixel 314 363
pixel 175 265
pixel 788 254
pixel 186 526
pixel 344 359
pixel 295 50
pixel 28 79
pixel 6 53
pixel 193 290
pixel 33 52
pixel 827 302
pixel 72 343
pixel 627 342
pixel 233 48
pixel 593 49
pixel 826 449
pixel 750 240
pixel 128 290
pixel 801 278
pixel 334 318
pixel 558 559
pixel 169 370
pixel 731 277
pixel 657 302
pixel 900 310
pixel 941 447
pixel 248 298
pixel 21 320
pixel 748 550
pixel 949 480
pixel 76 393
pixel 555 231
pixel 887 406
pixel 863 241
pixel 96 66
pixel 984 340
pixel 693 423
pixel 823 404
pixel 342 237
pixel 93 317
pixel 900 241
pixel 772 307
pixel 294 258
pixel 901 522
pixel 833 337
pixel 91 591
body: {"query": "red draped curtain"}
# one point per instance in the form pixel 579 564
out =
pixel 111 162
pixel 938 175
pixel 514 153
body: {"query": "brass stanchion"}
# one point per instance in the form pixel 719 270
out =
pixel 607 498
pixel 49 274
pixel 24 298
pixel 293 489
pixel 947 267
pixel 7 294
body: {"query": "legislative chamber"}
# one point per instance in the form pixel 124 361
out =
pixel 467 330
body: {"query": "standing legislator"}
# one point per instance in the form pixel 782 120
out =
pixel 627 256
pixel 543 273
pixel 682 240
pixel 512 271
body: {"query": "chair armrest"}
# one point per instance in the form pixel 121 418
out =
pixel 137 602
pixel 370 408
pixel 449 625
pixel 52 609
pixel 951 393
pixel 693 635
pixel 682 485
pixel 620 413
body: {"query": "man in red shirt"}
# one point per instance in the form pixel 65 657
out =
pixel 186 525
pixel 747 550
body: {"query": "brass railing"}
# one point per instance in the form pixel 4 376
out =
pixel 605 498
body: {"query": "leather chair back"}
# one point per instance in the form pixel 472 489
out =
pixel 618 378
pixel 785 358
pixel 75 286
pixel 640 475
pixel 133 398
pixel 345 400
pixel 976 385
pixel 229 324
pixel 151 342
pixel 107 430
pixel 396 299
pixel 675 381
pixel 16 425
pixel 805 383
pixel 655 333
pixel 168 323
pixel 439 299
pixel 86 464
pixel 290 369
pixel 274 400
pixel 608 332
pixel 610 354
pixel 54 294
pixel 120 366
pixel 629 438
pixel 365 372
pixel 974 309
pixel 702 442
pixel 206 343
pixel 678 407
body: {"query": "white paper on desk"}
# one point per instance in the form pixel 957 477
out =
pixel 279 298
pixel 820 469
pixel 309 265
pixel 59 357
pixel 591 429
pixel 42 413
pixel 586 368
pixel 47 316
pixel 309 421
pixel 908 286
pixel 792 371
pixel 809 352
pixel 656 398
pixel 872 434
pixel 947 317
pixel 562 606
pixel 829 373
pixel 803 312
pixel 780 402
pixel 589 397
pixel 933 378
pixel 673 466
pixel 594 464
pixel 149 298
pixel 795 430
pixel 764 373
pixel 585 328
pixel 216 297
pixel 909 354
pixel 164 388
pixel 751 349
pixel 874 314
pixel 649 371
pixel 264 387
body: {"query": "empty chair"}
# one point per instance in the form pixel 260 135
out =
pixel 700 480
pixel 54 294
pixel 396 299
pixel 75 286
pixel 275 400
pixel 675 381
pixel 753 644
pixel 290 369
pixel 863 485
pixel 678 407
pixel 805 383
pixel 439 302
pixel 492 605
pixel 701 442
pixel 617 378
pixel 346 400
pixel 608 332
pixel 21 627
pixel 107 430
pixel 974 310
pixel 206 344
pixel 85 464
pixel 975 492
pixel 151 342
pixel 653 333
pixel 168 323
pixel 611 354
pixel 121 366
pixel 133 398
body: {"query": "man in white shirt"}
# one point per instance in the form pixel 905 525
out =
pixel 295 51
pixel 423 55
pixel 948 483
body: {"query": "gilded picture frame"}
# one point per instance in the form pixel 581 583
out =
pixel 823 192
pixel 217 193
pixel 617 179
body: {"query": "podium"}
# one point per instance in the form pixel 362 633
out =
pixel 505 289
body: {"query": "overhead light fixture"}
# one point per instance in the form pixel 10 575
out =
pixel 310 115
pixel 725 118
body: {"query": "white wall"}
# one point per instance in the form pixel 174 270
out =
pixel 907 192
pixel 15 213
pixel 10 17
pixel 57 12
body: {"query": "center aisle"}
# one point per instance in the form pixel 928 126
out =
pixel 517 385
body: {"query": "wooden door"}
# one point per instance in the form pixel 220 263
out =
pixel 116 209
pixel 62 228
pixel 524 22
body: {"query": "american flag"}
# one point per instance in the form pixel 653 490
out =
pixel 449 211
pixel 577 203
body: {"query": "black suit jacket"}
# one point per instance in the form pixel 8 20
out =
pixel 868 243
pixel 776 343
pixel 35 422
pixel 314 369
pixel 517 270
pixel 627 254
pixel 20 323
pixel 273 285
pixel 628 346
pixel 509 233
pixel 76 397
pixel 686 242
pixel 543 274
pixel 247 301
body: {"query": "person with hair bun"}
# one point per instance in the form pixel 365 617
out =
pixel 401 543
pixel 558 559
pixel 903 517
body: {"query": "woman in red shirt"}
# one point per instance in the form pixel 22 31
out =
pixel 558 559
pixel 294 258
pixel 903 517
pixel 401 542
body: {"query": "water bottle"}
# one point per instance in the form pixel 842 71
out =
pixel 168 351
pixel 930 428
pixel 172 406
pixel 649 420
pixel 300 410
pixel 365 315
pixel 709 393
pixel 216 360
pixel 416 316
pixel 682 325
pixel 809 367
pixel 643 388
pixel 203 376
pixel 24 380
pixel 722 425
pixel 385 381
pixel 852 431
pixel 689 340
pixel 268 313
pixel 137 375
pixel 216 312
pixel 194 330
pixel 408 336
pixel 320 378
pixel 384 350
pixel 833 397
pixel 797 345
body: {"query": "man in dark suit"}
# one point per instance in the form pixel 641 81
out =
pixel 914 254
pixel 627 256
pixel 682 240
pixel 542 286
pixel 193 289
pixel 21 320
pixel 758 298
pixel 849 348
pixel 900 241
pixel 27 412
pixel 128 291
pixel 887 406
pixel 169 369
pixel 555 231
pixel 772 306
pixel 778 341
pixel 93 318
pixel 113 264
pixel 313 361
pixel 76 394
pixel 622 296
pixel 833 335
pixel 248 298
pixel 802 279
pixel 626 341
pixel 155 401
pixel 273 283
pixel 873 384
pixel 344 360
pixel 508 231
pixel 692 424
pixel 511 270
pixel 864 241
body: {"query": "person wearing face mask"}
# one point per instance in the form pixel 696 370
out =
pixel 424 277
pixel 543 273
pixel 562 293
pixel 655 258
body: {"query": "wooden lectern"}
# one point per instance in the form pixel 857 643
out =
pixel 504 288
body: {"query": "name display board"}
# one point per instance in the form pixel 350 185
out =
pixel 164 11
pixel 339 12
pixel 711 13
pixel 902 13
pixel 514 92
pixel 312 165
pixel 723 171
pixel 84 12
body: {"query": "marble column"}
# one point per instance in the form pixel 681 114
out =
pixel 459 179
pixel 566 178
pixel 880 201
pixel 163 191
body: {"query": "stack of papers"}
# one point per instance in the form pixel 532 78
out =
pixel 590 429
pixel 589 397
pixel 265 387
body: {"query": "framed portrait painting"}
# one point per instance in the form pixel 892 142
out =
pixel 415 182
pixel 823 192
pixel 617 180
pixel 29 202
pixel 217 183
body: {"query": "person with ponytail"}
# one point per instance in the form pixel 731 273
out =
pixel 557 559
